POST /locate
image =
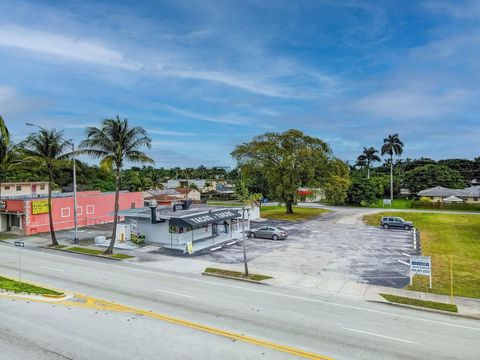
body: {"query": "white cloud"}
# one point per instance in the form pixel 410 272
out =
pixel 222 119
pixel 469 9
pixel 170 61
pixel 413 103
pixel 87 50
pixel 157 131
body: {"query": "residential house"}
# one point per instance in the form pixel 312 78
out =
pixel 20 189
pixel 440 194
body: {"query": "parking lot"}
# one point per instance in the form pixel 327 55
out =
pixel 330 248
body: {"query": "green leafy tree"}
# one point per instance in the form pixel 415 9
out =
pixel 429 176
pixel 46 149
pixel 114 143
pixel 392 145
pixel 290 160
pixel 368 156
pixel 337 182
pixel 363 192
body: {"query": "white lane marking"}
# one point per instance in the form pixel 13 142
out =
pixel 378 335
pixel 403 262
pixel 51 268
pixel 406 254
pixel 174 293
pixel 132 266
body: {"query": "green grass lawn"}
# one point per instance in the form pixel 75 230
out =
pixel 396 204
pixel 97 252
pixel 238 274
pixel 442 235
pixel 299 213
pixel 422 303
pixel 16 286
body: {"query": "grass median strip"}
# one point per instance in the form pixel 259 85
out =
pixel 237 274
pixel 21 287
pixel 421 303
pixel 89 251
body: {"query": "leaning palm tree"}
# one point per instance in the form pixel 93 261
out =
pixel 392 145
pixel 114 143
pixel 46 149
pixel 368 156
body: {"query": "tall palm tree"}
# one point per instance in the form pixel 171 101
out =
pixel 368 156
pixel 114 143
pixel 46 149
pixel 392 145
pixel 6 151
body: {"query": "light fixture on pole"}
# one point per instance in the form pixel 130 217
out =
pixel 75 219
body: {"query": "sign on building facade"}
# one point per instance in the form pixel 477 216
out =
pixel 39 207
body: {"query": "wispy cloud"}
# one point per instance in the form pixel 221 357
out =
pixel 461 9
pixel 61 45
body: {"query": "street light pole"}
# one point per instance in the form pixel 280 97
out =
pixel 243 240
pixel 75 219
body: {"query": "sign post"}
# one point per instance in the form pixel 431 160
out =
pixel 20 245
pixel 421 265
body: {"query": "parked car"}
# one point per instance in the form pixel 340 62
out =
pixel 268 232
pixel 395 222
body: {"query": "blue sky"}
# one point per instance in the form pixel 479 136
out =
pixel 202 76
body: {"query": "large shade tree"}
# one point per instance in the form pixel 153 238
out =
pixel 115 143
pixel 392 145
pixel 368 156
pixel 46 149
pixel 289 160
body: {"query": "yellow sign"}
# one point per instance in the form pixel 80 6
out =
pixel 39 207
pixel 190 248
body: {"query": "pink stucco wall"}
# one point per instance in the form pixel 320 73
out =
pixel 93 207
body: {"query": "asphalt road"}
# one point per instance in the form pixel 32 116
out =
pixel 338 327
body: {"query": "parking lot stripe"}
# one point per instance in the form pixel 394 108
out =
pixel 403 262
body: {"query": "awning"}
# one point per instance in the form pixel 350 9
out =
pixel 204 218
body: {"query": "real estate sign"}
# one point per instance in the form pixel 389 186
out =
pixel 39 207
pixel 421 265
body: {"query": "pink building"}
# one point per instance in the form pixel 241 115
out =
pixel 30 215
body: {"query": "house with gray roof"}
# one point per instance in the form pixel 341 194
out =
pixel 439 194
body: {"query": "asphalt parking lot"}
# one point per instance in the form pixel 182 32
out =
pixel 329 248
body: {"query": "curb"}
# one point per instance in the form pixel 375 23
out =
pixel 234 278
pixel 23 293
pixel 419 308
pixel 81 253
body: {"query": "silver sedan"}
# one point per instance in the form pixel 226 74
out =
pixel 268 232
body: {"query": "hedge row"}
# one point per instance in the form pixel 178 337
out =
pixel 444 206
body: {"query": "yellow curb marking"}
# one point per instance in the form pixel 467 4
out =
pixel 99 304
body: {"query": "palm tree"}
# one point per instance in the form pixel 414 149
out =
pixel 46 149
pixel 392 145
pixel 6 152
pixel 368 156
pixel 114 143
